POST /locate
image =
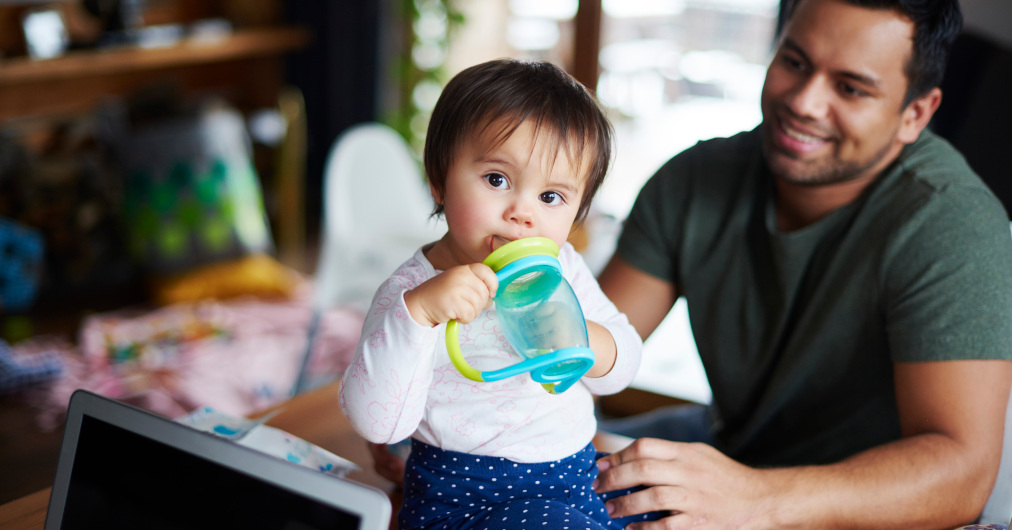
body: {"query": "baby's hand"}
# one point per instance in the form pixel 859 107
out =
pixel 460 293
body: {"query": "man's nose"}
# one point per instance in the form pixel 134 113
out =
pixel 810 98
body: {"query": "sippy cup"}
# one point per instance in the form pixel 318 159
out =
pixel 540 316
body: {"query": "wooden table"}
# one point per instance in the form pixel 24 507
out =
pixel 315 417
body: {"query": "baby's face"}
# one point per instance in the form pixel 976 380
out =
pixel 525 187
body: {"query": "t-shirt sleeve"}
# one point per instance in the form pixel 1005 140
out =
pixel 651 233
pixel 947 283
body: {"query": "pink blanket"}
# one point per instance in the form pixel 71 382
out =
pixel 235 356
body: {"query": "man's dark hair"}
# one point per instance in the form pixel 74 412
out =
pixel 489 101
pixel 937 23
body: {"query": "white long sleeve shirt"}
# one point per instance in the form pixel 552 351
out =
pixel 403 384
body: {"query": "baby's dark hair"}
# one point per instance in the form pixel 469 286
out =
pixel 504 93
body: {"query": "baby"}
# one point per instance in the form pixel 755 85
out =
pixel 514 149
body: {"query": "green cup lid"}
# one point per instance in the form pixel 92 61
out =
pixel 521 248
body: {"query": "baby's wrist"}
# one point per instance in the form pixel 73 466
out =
pixel 416 309
pixel 605 350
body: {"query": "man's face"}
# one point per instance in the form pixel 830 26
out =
pixel 833 99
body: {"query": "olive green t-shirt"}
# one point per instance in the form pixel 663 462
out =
pixel 798 331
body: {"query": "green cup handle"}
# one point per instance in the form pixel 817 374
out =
pixel 497 260
pixel 457 356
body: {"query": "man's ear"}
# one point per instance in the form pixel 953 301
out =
pixel 917 114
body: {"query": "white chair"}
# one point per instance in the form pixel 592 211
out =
pixel 376 213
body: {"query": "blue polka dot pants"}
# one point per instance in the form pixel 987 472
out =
pixel 447 489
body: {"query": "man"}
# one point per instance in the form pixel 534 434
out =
pixel 847 277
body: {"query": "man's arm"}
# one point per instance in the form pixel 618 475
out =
pixel 952 419
pixel 938 475
pixel 941 472
pixel 644 299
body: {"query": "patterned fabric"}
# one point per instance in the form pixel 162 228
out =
pixel 447 489
pixel 237 356
pixel 402 383
pixel 18 371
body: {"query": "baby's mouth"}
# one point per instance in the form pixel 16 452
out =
pixel 495 242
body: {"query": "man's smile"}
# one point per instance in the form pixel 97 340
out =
pixel 795 140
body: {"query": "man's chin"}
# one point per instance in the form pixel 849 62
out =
pixel 787 168
pixel 798 173
pixel 810 176
pixel 793 170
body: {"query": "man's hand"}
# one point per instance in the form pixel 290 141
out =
pixel 460 293
pixel 702 487
pixel 938 475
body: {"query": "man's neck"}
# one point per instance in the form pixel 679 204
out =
pixel 798 206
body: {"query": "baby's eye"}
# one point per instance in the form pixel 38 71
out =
pixel 551 197
pixel 496 181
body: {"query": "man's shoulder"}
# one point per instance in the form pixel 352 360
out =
pixel 934 162
pixel 932 178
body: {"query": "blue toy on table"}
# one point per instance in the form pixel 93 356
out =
pixel 21 250
pixel 540 315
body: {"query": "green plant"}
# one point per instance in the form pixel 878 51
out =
pixel 426 29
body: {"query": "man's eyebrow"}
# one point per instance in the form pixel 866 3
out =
pixel 864 79
pixel 793 46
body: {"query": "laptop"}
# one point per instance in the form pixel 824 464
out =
pixel 123 467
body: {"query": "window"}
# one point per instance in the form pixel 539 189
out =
pixel 675 72
pixel 672 72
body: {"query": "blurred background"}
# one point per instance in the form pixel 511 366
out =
pixel 162 171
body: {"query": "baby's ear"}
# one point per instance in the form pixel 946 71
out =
pixel 436 195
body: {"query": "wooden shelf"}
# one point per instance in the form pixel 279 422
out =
pixel 78 80
pixel 246 44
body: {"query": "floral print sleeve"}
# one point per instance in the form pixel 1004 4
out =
pixel 383 392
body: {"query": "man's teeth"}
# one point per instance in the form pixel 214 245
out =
pixel 801 137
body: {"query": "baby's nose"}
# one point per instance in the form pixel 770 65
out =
pixel 520 214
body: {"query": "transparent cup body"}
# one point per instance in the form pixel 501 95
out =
pixel 540 314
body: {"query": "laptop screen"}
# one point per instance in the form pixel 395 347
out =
pixel 123 480
pixel 124 467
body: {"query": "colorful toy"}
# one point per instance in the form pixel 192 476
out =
pixel 21 253
pixel 540 316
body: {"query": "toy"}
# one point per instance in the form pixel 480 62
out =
pixel 540 316
pixel 21 262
